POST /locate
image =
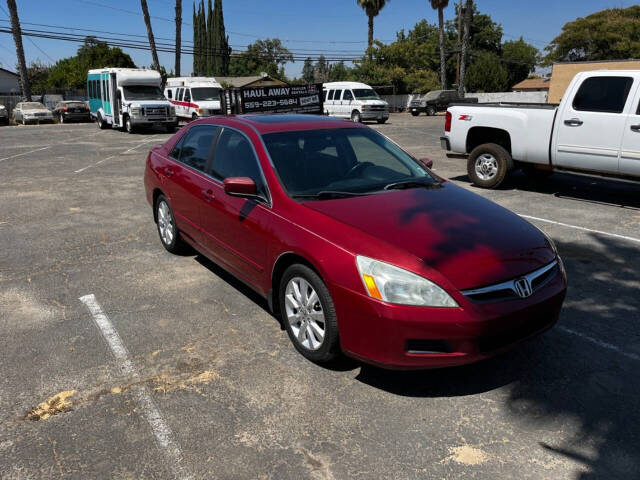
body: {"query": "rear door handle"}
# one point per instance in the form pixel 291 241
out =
pixel 208 195
pixel 168 172
pixel 573 122
pixel 635 128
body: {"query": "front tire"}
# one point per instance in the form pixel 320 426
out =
pixel 381 120
pixel 128 125
pixel 102 125
pixel 308 314
pixel 356 116
pixel 167 229
pixel 431 111
pixel 488 165
pixel 415 113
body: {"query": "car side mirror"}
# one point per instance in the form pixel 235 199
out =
pixel 426 162
pixel 240 187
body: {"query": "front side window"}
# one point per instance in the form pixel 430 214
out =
pixel 349 160
pixel 365 94
pixel 194 149
pixel 205 94
pixel 142 92
pixel 347 95
pixel 234 157
pixel 603 94
pixel 187 95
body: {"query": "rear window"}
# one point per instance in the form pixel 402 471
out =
pixel 603 94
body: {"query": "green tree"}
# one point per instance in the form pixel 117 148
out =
pixel 308 70
pixel 486 73
pixel 38 75
pixel 372 8
pixel 221 49
pixel 339 72
pixel 210 49
pixel 268 55
pixel 612 34
pixel 321 70
pixel 520 59
pixel 440 5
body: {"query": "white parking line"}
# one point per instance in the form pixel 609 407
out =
pixel 584 229
pixel 25 153
pixel 108 158
pixel 161 431
pixel 600 343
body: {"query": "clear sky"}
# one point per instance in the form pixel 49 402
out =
pixel 332 27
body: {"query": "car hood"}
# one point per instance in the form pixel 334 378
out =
pixel 373 102
pixel 470 240
pixel 36 110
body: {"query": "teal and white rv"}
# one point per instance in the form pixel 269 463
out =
pixel 129 98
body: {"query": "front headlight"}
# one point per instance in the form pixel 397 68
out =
pixel 395 285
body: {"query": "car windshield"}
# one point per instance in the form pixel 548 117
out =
pixel 32 106
pixel 343 161
pixel 205 93
pixel 142 92
pixel 365 94
pixel 433 95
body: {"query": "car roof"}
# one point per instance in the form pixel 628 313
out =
pixel 269 123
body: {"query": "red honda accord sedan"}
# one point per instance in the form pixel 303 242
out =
pixel 357 245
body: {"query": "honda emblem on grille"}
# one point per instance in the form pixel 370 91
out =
pixel 523 287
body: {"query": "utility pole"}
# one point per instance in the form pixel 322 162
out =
pixel 152 42
pixel 178 36
pixel 460 10
pixel 17 38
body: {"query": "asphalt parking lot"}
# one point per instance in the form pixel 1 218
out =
pixel 196 379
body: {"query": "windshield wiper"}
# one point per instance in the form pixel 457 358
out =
pixel 328 194
pixel 412 184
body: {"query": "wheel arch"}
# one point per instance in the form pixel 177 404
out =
pixel 156 193
pixel 284 261
pixel 480 135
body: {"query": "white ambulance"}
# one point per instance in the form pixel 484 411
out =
pixel 194 97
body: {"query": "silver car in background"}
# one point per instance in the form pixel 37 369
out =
pixel 32 112
pixel 4 115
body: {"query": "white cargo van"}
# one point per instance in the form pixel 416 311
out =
pixel 128 98
pixel 194 97
pixel 354 100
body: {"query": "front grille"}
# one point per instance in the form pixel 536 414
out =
pixel 428 346
pixel 40 114
pixel 154 111
pixel 376 108
pixel 508 290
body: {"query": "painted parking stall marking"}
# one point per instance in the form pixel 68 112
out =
pixel 25 153
pixel 584 229
pixel 161 431
pixel 112 156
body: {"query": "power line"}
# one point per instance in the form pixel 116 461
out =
pixel 31 41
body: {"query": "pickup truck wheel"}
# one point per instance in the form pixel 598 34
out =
pixel 488 165
pixel 431 111
pixel 415 113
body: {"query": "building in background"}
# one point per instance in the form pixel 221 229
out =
pixel 563 73
pixel 532 85
pixel 9 82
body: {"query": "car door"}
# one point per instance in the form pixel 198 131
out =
pixel 337 104
pixel 590 127
pixel 236 229
pixel 630 148
pixel 184 177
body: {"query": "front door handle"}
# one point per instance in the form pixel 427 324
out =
pixel 635 128
pixel 573 122
pixel 168 172
pixel 208 195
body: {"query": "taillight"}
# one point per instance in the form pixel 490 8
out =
pixel 447 122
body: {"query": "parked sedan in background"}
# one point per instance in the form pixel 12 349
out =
pixel 32 112
pixel 357 245
pixel 72 111
pixel 4 115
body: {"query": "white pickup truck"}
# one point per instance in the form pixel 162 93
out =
pixel 594 131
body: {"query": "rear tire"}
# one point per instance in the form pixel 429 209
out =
pixel 356 117
pixel 167 229
pixel 308 311
pixel 488 165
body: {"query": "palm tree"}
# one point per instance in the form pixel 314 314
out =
pixel 152 42
pixel 178 35
pixel 465 45
pixel 440 5
pixel 372 9
pixel 17 38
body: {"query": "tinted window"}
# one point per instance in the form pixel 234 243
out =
pixel 603 94
pixel 348 160
pixel 331 92
pixel 206 93
pixel 336 96
pixel 347 95
pixel 324 95
pixel 365 94
pixel 169 94
pixel 234 157
pixel 187 95
pixel 194 149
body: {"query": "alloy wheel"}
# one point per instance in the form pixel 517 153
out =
pixel 304 313
pixel 166 225
pixel 486 166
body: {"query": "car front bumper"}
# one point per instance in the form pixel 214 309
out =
pixel 407 337
pixel 444 143
pixel 374 115
pixel 139 121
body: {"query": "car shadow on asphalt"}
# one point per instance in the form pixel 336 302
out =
pixel 574 187
pixel 579 379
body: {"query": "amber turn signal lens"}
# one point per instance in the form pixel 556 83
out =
pixel 372 287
